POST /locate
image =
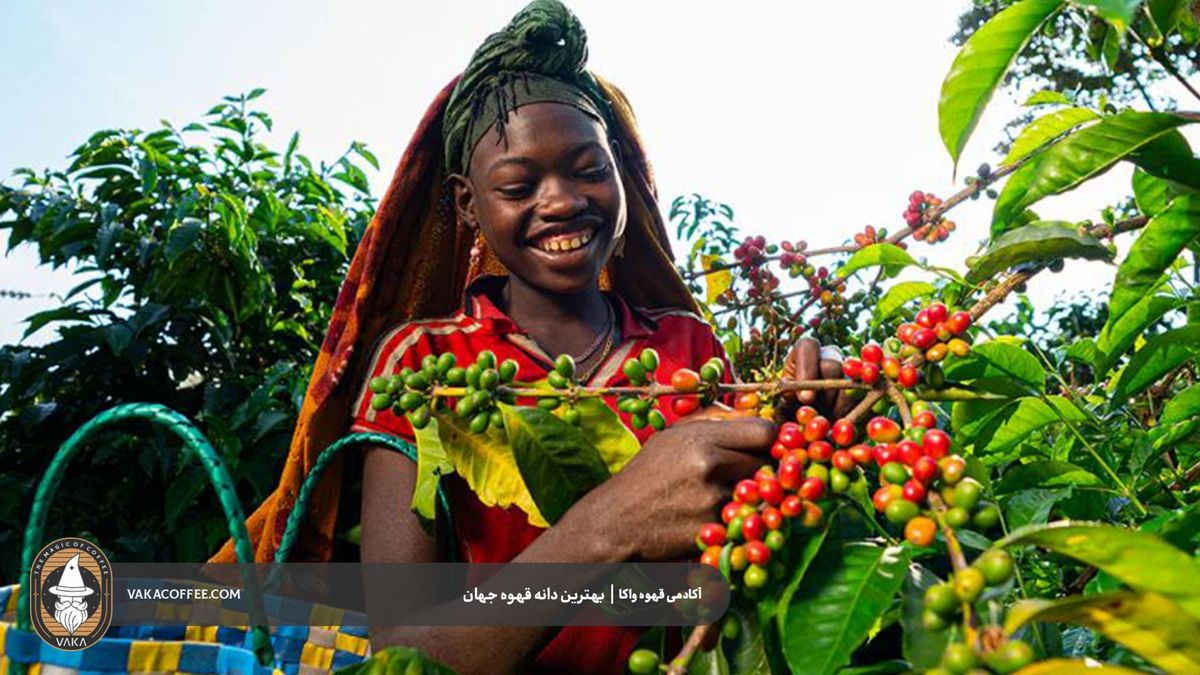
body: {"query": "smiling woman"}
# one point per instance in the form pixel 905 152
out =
pixel 548 241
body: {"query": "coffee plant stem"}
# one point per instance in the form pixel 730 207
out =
pixel 766 300
pixel 901 403
pixel 864 405
pixel 679 664
pixel 957 560
pixel 1167 65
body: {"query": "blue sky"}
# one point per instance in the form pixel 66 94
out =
pixel 811 119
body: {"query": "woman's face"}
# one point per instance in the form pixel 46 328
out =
pixel 550 204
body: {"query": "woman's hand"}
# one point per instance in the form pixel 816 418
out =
pixel 652 509
pixel 808 360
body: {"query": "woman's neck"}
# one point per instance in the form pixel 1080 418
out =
pixel 560 323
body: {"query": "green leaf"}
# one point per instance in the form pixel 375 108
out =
pixel 1184 406
pixel 998 359
pixel 899 295
pixel 1167 13
pixel 1045 474
pixel 1048 97
pixel 1153 195
pixel 68 313
pixel 1139 560
pixel 922 648
pixel 602 428
pixel 1156 248
pixel 847 589
pixel 1118 13
pixel 1116 338
pixel 1032 506
pixel 487 463
pixel 1170 158
pixel 1043 241
pixel 432 463
pixel 1083 349
pixel 892 257
pixel 1023 418
pixel 980 66
pixel 1077 158
pixel 558 464
pixel 1046 128
pixel 181 239
pixel 397 661
pixel 1160 355
pixel 1147 623
pixel 809 549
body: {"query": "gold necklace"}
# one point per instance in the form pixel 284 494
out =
pixel 608 345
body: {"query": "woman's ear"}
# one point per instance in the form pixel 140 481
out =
pixel 462 194
pixel 615 146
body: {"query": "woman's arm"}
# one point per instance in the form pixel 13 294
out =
pixel 391 532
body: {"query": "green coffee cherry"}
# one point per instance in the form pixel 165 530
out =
pixel 381 402
pixel 430 362
pixel 643 662
pixel 489 379
pixel 379 385
pixel 549 402
pixel 411 400
pixel 656 420
pixel 649 359
pixel 419 418
pixel 473 372
pixel 445 362
pixel 941 598
pixel 987 517
pixel 508 370
pixel 564 365
pixel 479 423
pixel 635 371
pixel 496 419
pixel 557 380
pixel 456 376
pixel 710 373
pixel 417 381
pixel 572 417
pixel 486 359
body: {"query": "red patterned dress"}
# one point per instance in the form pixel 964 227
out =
pixel 493 534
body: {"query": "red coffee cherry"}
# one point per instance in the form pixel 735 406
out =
pixel 883 430
pixel 791 506
pixel 861 454
pixel 913 491
pixel 811 489
pixel 772 518
pixel 729 512
pixel 820 451
pixel 926 419
pixel 937 312
pixel 910 452
pixel 925 470
pixel 852 368
pixel 791 435
pixel 816 429
pixel 843 461
pixel 907 377
pixel 753 527
pixel 870 373
pixel 843 433
pixel 936 443
pixel 959 322
pixel 872 353
pixel 746 492
pixel 712 534
pixel 770 490
pixel 757 553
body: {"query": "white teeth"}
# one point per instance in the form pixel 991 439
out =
pixel 562 245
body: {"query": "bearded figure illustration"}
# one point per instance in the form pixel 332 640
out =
pixel 71 610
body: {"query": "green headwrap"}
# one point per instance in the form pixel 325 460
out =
pixel 540 56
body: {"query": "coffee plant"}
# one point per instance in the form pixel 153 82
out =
pixel 995 501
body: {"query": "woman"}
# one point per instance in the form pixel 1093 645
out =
pixel 553 244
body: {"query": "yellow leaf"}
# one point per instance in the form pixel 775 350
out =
pixel 715 283
pixel 487 463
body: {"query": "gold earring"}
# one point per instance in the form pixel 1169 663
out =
pixel 475 265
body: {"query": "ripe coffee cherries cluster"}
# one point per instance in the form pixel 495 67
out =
pixel 756 522
pixel 869 236
pixel 926 228
pixel 409 392
pixel 935 333
pixel 914 463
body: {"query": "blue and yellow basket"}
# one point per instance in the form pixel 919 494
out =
pixel 203 648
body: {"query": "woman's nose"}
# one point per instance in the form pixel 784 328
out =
pixel 560 199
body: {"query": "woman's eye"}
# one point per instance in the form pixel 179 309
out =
pixel 596 173
pixel 513 191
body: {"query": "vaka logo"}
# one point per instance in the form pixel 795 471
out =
pixel 71 594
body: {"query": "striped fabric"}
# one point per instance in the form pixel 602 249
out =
pixel 195 649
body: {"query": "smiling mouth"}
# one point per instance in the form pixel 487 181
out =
pixel 565 242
